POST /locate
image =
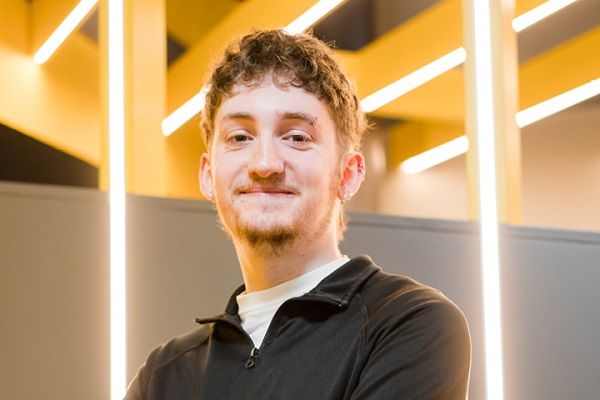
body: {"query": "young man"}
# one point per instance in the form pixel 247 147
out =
pixel 283 129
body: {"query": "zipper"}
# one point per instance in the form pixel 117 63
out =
pixel 251 361
pixel 253 357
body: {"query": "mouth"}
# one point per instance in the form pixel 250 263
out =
pixel 267 191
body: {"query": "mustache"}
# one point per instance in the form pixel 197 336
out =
pixel 273 184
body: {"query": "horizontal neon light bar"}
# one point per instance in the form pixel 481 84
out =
pixel 66 27
pixel 453 59
pixel 538 13
pixel 184 113
pixel 436 155
pixel 558 103
pixel 312 15
pixel 413 80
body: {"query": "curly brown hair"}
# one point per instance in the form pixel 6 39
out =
pixel 300 60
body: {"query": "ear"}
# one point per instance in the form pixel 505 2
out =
pixel 205 177
pixel 353 174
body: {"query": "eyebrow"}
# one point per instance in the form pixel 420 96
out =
pixel 301 116
pixel 237 115
pixel 285 115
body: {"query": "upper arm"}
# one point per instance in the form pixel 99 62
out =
pixel 420 354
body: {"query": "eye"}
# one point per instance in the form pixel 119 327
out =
pixel 239 138
pixel 297 138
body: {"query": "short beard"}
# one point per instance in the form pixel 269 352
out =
pixel 273 241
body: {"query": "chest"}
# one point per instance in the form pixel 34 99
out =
pixel 313 354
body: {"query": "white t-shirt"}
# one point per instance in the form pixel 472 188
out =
pixel 256 309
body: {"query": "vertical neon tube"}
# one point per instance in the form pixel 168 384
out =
pixel 116 149
pixel 488 207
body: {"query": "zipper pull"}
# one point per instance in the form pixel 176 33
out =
pixel 252 359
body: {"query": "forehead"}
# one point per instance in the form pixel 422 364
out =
pixel 266 99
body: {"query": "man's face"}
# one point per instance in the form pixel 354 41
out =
pixel 274 170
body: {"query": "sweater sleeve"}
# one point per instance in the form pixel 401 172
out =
pixel 143 384
pixel 138 386
pixel 422 352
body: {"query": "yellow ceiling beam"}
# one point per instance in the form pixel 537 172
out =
pixel 188 20
pixel 442 98
pixel 407 139
pixel 565 67
pixel 419 41
pixel 187 74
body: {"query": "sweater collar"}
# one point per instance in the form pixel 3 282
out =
pixel 337 288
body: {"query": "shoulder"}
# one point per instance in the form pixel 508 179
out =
pixel 401 306
pixel 414 328
pixel 164 355
pixel 176 347
pixel 386 294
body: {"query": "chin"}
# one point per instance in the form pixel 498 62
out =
pixel 273 237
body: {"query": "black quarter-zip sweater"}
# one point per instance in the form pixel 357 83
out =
pixel 360 334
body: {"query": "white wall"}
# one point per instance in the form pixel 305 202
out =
pixel 561 170
pixel 561 177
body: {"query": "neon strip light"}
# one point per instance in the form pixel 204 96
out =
pixel 65 28
pixel 194 105
pixel 116 137
pixel 436 155
pixel 538 13
pixel 413 80
pixel 453 59
pixel 312 15
pixel 558 103
pixel 488 208
pixel 184 113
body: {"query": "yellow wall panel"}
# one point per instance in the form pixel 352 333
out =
pixel 56 103
pixel 14 19
pixel 183 160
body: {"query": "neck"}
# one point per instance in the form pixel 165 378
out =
pixel 264 267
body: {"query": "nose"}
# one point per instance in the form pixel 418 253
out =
pixel 266 159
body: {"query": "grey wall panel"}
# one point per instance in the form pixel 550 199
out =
pixel 54 293
pixel 180 266
pixel 54 289
pixel 551 307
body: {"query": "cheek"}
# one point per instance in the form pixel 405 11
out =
pixel 321 180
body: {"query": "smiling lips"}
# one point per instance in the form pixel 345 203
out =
pixel 267 190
